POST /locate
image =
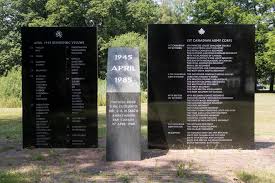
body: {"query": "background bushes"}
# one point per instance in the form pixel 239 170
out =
pixel 10 88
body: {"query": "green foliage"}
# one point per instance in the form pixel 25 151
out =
pixel 143 96
pixel 258 12
pixel 174 11
pixel 134 40
pixel 10 85
pixel 10 102
pixel 124 178
pixel 246 177
pixel 10 89
pixel 67 12
pixel 141 13
pixel 109 16
pixel 101 94
pixel 9 36
pixel 215 12
pixel 184 169
pixel 255 177
pixel 10 54
pixel 115 17
pixel 15 14
pixel 14 176
pixel 269 55
pixel 181 171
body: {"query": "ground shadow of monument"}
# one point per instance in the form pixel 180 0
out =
pixel 263 145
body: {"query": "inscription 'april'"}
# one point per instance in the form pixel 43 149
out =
pixel 123 68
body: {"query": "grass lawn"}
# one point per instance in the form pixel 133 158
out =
pixel 11 135
pixel 20 176
pixel 256 177
pixel 10 124
pixel 265 115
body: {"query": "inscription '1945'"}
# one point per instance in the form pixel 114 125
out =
pixel 123 57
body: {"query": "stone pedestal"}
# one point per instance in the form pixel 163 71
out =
pixel 123 105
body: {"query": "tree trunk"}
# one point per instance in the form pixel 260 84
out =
pixel 271 82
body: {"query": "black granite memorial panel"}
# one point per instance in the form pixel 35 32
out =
pixel 59 86
pixel 201 81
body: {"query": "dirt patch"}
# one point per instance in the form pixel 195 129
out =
pixel 89 165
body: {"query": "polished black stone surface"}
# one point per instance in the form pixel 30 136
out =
pixel 201 81
pixel 59 87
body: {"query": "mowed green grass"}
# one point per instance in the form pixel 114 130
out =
pixel 265 115
pixel 10 124
pixel 29 175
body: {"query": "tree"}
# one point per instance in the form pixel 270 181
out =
pixel 109 16
pixel 115 17
pixel 258 12
pixel 174 11
pixel 9 37
pixel 269 56
pixel 15 14
pixel 141 13
pixel 270 53
pixel 66 12
pixel 118 17
pixel 215 12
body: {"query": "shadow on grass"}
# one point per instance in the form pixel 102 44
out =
pixel 11 129
pixel 7 176
pixel 101 125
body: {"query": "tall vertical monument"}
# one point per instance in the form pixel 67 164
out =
pixel 123 105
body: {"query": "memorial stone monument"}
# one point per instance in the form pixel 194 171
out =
pixel 59 87
pixel 123 105
pixel 201 81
